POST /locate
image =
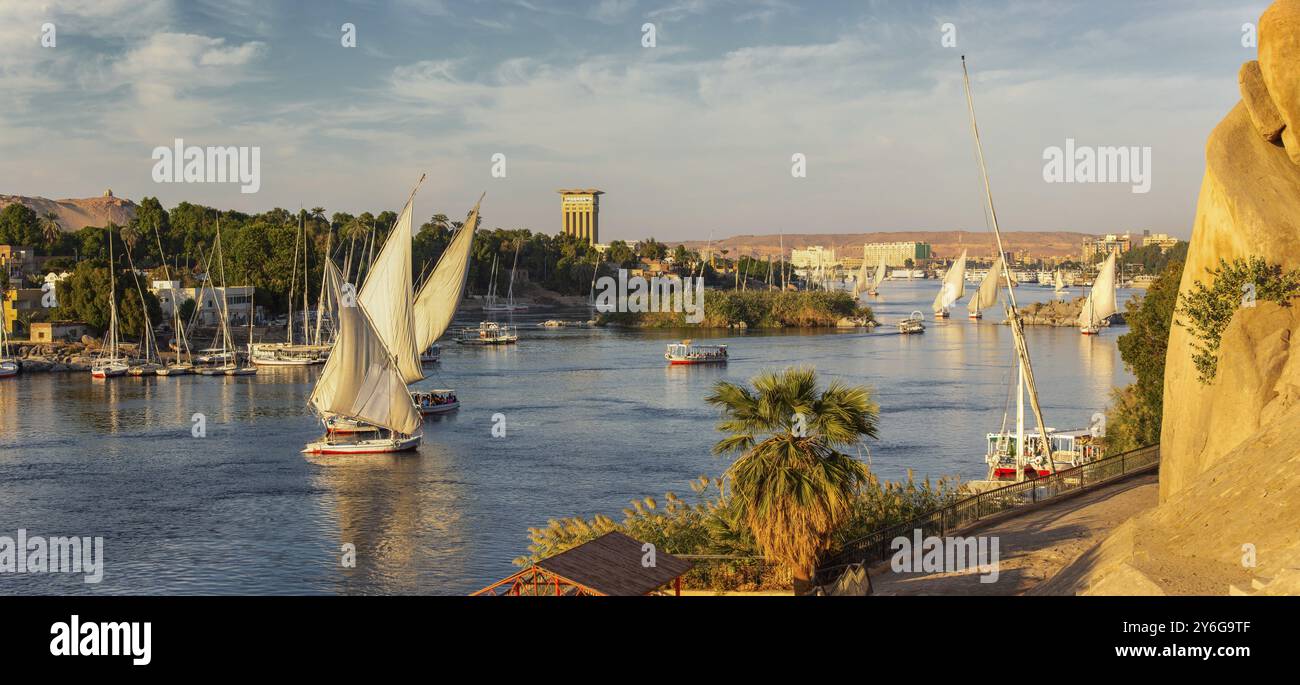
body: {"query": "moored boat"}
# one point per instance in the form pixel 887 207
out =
pixel 8 365
pixel 110 363
pixel 687 352
pixel 432 355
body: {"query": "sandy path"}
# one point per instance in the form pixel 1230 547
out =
pixel 1035 545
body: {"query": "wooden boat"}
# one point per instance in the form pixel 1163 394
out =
pixel 686 352
pixel 489 333
pixel 954 287
pixel 146 369
pixel 287 354
pixel 8 365
pixel 432 355
pixel 1101 303
pixel 178 369
pixel 438 401
pixel 1028 455
pixel 364 382
pixel 111 363
pixel 987 295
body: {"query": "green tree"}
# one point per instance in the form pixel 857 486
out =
pixel 792 483
pixel 1137 411
pixel 51 231
pixel 19 225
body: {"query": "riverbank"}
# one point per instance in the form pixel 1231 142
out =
pixel 757 309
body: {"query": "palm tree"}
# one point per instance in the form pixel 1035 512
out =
pixel 50 229
pixel 130 236
pixel 791 482
pixel 439 222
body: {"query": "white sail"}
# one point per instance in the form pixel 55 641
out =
pixel 954 285
pixel 987 295
pixel 1101 303
pixel 388 300
pixel 436 303
pixel 361 380
pixel 1060 282
pixel 880 275
pixel 860 281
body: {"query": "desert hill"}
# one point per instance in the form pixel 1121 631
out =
pixel 73 215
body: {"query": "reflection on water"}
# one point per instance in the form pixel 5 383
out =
pixel 593 418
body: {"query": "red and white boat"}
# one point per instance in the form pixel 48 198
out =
pixel 686 352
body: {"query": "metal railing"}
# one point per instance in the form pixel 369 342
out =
pixel 877 546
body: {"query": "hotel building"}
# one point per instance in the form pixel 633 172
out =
pixel 580 209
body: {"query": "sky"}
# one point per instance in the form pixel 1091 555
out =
pixel 690 139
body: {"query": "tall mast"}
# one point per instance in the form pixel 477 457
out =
pixel 302 226
pixel 293 281
pixel 1017 327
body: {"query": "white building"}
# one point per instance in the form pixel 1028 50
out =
pixel 814 256
pixel 239 301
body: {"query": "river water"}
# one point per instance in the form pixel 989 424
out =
pixel 593 418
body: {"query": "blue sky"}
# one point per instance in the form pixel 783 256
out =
pixel 690 138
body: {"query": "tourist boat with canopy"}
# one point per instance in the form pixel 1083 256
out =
pixel 489 333
pixel 687 352
pixel 913 324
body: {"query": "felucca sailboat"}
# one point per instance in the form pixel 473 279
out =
pixel 8 365
pixel 954 287
pixel 987 295
pixel 1021 455
pixel 878 278
pixel 110 363
pixel 375 354
pixel 1101 304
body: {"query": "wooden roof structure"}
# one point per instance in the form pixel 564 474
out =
pixel 612 564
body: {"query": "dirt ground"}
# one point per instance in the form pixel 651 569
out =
pixel 1034 546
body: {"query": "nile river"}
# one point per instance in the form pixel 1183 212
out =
pixel 593 418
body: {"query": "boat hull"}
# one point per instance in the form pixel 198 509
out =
pixel 692 362
pixel 378 446
pixel 8 369
pixel 440 409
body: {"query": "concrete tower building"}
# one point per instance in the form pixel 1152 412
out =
pixel 580 209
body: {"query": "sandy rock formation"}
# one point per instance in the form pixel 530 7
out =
pixel 1230 464
pixel 75 214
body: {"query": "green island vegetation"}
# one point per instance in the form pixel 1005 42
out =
pixel 789 496
pixel 1209 309
pixel 1134 417
pixel 259 250
pixel 753 309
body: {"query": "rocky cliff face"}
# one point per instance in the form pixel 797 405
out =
pixel 1230 456
pixel 73 215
